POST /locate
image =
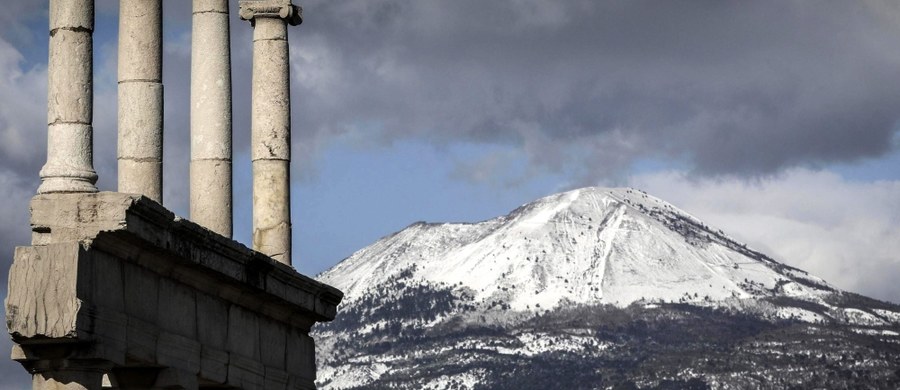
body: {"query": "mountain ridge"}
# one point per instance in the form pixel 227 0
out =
pixel 532 232
pixel 594 288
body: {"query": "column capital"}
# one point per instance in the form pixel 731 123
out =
pixel 281 9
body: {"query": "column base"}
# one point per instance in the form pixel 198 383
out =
pixel 59 179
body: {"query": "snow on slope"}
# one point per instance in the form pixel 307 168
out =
pixel 591 245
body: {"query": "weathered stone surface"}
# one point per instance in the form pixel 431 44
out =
pixel 58 366
pixel 140 139
pixel 79 217
pixel 178 352
pixel 213 364
pixel 67 379
pixel 121 280
pixel 272 344
pixel 276 379
pixel 211 195
pixel 271 115
pixel 65 218
pixel 246 341
pixel 212 321
pixel 70 77
pixel 72 14
pixel 140 40
pixel 42 297
pixel 140 283
pixel 202 6
pixel 108 329
pixel 140 109
pixel 142 338
pixel 210 82
pixel 248 374
pixel 107 291
pixel 211 134
pixel 177 308
pixel 298 383
pixel 271 125
pixel 281 9
pixel 301 352
pixel 171 378
pixel 272 209
pixel 140 98
pixel 70 99
pixel 141 177
pixel 69 151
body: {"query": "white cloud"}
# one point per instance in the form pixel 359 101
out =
pixel 23 109
pixel 14 231
pixel 843 231
pixel 746 88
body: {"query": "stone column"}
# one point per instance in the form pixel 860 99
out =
pixel 271 124
pixel 211 194
pixel 140 98
pixel 70 103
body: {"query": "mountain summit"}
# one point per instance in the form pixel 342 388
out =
pixel 538 284
pixel 591 245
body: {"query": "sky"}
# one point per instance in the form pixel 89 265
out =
pixel 777 121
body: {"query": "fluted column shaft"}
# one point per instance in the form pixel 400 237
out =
pixel 211 151
pixel 70 103
pixel 140 98
pixel 271 125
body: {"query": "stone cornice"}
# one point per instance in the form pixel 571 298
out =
pixel 123 223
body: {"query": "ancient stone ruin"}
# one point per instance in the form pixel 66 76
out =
pixel 115 290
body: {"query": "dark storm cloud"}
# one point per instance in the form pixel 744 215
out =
pixel 730 87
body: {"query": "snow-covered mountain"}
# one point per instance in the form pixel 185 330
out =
pixel 542 281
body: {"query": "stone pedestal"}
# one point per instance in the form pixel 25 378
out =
pixel 114 283
pixel 140 98
pixel 271 125
pixel 211 192
pixel 70 103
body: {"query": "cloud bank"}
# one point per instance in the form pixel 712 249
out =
pixel 843 231
pixel 723 88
